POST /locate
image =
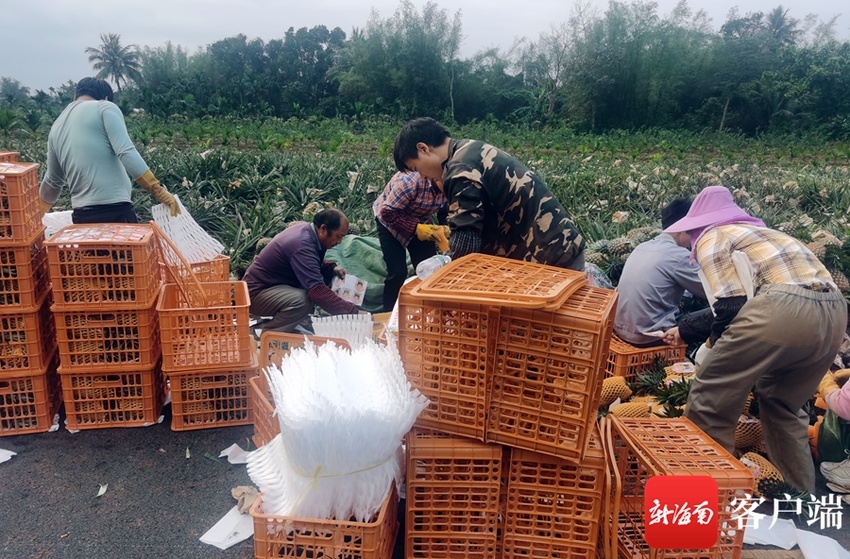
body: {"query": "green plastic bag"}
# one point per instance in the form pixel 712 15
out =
pixel 833 438
pixel 362 256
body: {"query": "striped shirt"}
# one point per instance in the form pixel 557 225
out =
pixel 412 200
pixel 776 258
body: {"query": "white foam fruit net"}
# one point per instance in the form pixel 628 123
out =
pixel 342 418
pixel 195 244
pixel 353 328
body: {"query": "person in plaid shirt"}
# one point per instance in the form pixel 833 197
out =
pixel 404 215
pixel 780 341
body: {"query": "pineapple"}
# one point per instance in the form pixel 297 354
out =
pixel 772 489
pixel 650 378
pixel 594 258
pixel 786 227
pixel 748 434
pixel 818 249
pixel 638 409
pixel 600 246
pixel 613 388
pixel 642 234
pixel 840 280
pixel 620 247
pixel 668 411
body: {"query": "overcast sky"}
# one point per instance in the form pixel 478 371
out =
pixel 43 42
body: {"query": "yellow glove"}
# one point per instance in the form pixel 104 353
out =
pixel 149 183
pixel 446 230
pixel 827 385
pixel 45 207
pixel 434 233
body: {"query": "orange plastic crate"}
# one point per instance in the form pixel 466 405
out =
pixel 28 338
pixel 24 277
pixel 29 400
pixel 501 281
pixel 108 340
pixel 445 349
pixel 214 337
pixel 109 266
pixel 274 346
pixel 20 207
pixel 547 374
pixel 113 399
pixel 204 400
pixel 288 537
pixel 453 490
pixel 648 447
pixel 554 506
pixel 266 427
pixel 607 544
pixel 214 270
pixel 626 360
pixel 9 156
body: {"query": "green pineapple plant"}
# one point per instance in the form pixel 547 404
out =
pixel 650 379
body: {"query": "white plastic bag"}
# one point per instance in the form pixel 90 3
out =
pixel 56 221
pixel 195 244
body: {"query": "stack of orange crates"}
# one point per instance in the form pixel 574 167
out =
pixel 208 352
pixel 29 386
pixel 106 282
pixel 512 354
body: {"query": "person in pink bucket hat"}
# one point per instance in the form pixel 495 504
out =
pixel 780 341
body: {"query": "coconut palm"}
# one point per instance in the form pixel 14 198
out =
pixel 114 61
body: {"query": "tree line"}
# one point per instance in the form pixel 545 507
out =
pixel 626 67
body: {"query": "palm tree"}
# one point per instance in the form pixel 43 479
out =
pixel 781 27
pixel 114 61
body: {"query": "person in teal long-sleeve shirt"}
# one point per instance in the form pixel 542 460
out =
pixel 89 150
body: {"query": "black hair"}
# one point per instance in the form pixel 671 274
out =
pixel 426 130
pixel 674 211
pixel 95 88
pixel 329 217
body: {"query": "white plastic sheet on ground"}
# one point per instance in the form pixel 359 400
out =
pixel 342 418
pixel 785 534
pixel 6 455
pixel 195 244
pixel 230 530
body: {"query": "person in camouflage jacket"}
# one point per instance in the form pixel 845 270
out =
pixel 497 205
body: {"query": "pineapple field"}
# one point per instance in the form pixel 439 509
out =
pixel 246 179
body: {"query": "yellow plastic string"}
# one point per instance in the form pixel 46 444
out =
pixel 314 479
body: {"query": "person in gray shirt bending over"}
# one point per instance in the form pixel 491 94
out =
pixel 654 280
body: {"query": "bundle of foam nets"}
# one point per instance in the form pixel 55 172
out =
pixel 342 418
